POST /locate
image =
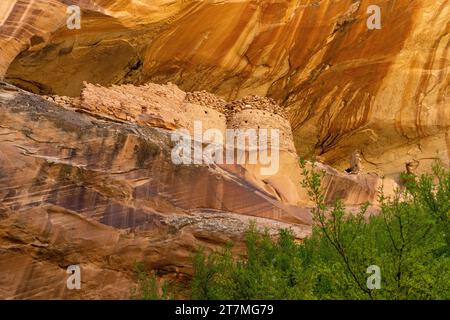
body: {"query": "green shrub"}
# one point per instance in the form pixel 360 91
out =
pixel 147 286
pixel 408 239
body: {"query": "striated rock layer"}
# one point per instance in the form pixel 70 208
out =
pixel 78 189
pixel 83 184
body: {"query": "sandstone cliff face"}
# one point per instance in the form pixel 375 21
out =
pixel 82 190
pixel 82 184
pixel 88 178
pixel 385 92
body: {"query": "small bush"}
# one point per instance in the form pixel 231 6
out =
pixel 147 286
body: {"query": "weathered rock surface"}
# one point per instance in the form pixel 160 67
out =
pixel 102 192
pixel 168 107
pixel 343 86
pixel 85 172
pixel 81 190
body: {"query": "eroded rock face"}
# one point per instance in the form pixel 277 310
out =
pixel 343 86
pixel 82 190
pixel 168 107
pixel 99 190
pixel 86 175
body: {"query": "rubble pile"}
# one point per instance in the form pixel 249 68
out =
pixel 63 101
pixel 254 102
pixel 206 99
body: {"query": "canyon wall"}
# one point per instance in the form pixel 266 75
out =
pixel 86 175
pixel 84 182
pixel 344 87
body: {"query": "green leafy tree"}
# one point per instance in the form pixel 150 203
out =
pixel 408 239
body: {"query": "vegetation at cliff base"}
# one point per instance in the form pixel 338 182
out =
pixel 409 240
pixel 148 287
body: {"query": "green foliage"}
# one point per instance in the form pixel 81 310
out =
pixel 147 286
pixel 408 239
